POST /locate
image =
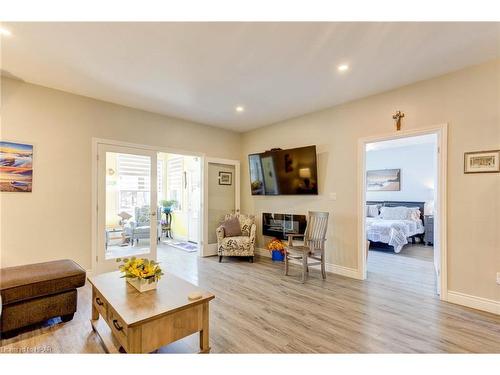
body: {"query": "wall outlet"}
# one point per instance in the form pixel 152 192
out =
pixel 498 278
pixel 333 196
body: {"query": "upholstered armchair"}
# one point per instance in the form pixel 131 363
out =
pixel 139 227
pixel 242 245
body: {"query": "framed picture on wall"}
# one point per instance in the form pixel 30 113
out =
pixel 383 180
pixel 225 178
pixel 482 162
pixel 16 167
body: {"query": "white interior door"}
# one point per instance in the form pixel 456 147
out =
pixel 127 212
pixel 221 196
pixel 193 182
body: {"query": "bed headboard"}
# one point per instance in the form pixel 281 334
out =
pixel 420 205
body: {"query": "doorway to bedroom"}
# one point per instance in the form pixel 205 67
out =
pixel 400 207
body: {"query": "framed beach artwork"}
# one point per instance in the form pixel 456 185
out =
pixel 482 162
pixel 383 180
pixel 16 167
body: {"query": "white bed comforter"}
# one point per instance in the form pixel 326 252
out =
pixel 392 232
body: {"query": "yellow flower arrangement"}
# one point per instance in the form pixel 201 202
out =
pixel 276 245
pixel 140 268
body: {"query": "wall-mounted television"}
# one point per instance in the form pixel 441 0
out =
pixel 284 172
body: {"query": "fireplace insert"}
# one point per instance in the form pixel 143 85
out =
pixel 280 225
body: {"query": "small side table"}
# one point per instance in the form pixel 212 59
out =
pixel 429 229
pixel 112 234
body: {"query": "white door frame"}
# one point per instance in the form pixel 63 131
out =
pixel 441 131
pixel 206 249
pixel 94 181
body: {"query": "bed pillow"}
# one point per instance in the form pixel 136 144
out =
pixel 394 213
pixel 371 210
pixel 413 213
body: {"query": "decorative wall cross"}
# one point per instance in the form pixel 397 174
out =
pixel 398 116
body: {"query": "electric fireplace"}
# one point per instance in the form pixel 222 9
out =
pixel 280 225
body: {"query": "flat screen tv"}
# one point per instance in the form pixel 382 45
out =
pixel 284 172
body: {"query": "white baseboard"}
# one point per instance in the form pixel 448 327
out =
pixel 208 250
pixel 344 271
pixel 332 268
pixel 263 252
pixel 474 302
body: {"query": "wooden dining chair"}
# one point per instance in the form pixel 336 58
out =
pixel 313 246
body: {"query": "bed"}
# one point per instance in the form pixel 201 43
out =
pixel 398 230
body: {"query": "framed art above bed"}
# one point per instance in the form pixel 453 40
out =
pixel 383 180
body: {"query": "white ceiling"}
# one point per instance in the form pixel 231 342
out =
pixel 201 71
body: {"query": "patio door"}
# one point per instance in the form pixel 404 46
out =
pixel 128 223
pixel 221 197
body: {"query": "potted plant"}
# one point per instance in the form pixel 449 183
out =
pixel 142 274
pixel 277 249
pixel 168 205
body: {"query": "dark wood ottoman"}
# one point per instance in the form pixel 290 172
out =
pixel 37 292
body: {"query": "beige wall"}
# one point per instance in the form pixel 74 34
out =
pixel 469 101
pixel 54 221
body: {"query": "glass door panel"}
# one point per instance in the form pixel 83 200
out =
pixel 128 222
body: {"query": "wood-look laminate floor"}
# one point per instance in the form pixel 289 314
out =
pixel 259 310
pixel 417 251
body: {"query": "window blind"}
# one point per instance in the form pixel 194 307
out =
pixel 134 173
pixel 175 167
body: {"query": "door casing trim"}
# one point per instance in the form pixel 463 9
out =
pixel 441 130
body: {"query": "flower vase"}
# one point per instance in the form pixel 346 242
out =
pixel 277 256
pixel 142 285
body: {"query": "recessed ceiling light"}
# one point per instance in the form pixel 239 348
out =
pixel 343 67
pixel 5 32
pixel 240 108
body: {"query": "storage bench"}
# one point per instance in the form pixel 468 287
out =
pixel 34 293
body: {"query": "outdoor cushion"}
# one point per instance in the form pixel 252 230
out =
pixel 36 280
pixel 143 229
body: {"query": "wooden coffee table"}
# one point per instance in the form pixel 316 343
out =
pixel 144 322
